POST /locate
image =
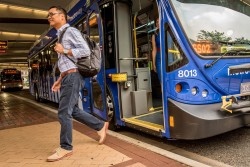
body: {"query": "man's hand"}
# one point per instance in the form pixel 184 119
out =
pixel 154 68
pixel 56 86
pixel 58 48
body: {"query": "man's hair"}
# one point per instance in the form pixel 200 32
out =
pixel 59 8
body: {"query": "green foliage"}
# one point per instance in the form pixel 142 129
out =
pixel 213 36
pixel 242 40
pixel 216 36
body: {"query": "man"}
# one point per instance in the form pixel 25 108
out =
pixel 70 83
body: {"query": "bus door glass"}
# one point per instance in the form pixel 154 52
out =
pixel 97 82
pixel 173 58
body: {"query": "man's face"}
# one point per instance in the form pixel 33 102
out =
pixel 55 18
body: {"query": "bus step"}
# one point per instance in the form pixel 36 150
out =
pixel 153 121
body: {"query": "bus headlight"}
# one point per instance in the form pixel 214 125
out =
pixel 194 90
pixel 204 93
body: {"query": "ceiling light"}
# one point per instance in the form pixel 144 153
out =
pixel 19 34
pixel 23 9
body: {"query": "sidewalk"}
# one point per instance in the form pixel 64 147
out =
pixel 31 145
pixel 29 135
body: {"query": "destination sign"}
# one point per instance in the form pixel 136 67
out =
pixel 202 47
pixel 10 71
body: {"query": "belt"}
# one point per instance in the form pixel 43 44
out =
pixel 63 74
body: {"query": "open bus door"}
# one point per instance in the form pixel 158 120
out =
pixel 95 85
pixel 128 74
pixel 148 88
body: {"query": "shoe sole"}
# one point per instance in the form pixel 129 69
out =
pixel 66 155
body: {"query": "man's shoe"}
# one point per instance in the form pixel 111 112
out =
pixel 103 132
pixel 59 154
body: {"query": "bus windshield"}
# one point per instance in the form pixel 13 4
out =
pixel 216 27
pixel 11 77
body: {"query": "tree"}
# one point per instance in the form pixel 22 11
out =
pixel 242 40
pixel 213 36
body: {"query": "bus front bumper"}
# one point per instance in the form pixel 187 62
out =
pixel 202 121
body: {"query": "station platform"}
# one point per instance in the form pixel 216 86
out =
pixel 29 132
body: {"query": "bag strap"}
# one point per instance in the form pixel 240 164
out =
pixel 56 63
pixel 60 41
pixel 60 37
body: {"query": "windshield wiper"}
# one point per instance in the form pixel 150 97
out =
pixel 236 51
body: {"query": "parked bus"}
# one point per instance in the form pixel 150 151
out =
pixel 11 79
pixel 204 46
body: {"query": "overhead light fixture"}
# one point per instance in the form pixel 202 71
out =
pixel 8 6
pixel 19 34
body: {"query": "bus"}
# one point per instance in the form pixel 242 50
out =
pixel 11 79
pixel 205 56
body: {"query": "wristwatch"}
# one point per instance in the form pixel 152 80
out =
pixel 66 51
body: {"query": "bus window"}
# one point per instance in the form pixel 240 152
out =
pixel 53 55
pixel 93 28
pixel 34 69
pixel 53 59
pixel 98 102
pixel 175 56
pixel 82 26
pixel 94 35
pixel 222 35
pixel 143 29
pixel 108 33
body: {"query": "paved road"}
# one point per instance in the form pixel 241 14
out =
pixel 232 148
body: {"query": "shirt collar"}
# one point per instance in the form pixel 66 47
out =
pixel 59 31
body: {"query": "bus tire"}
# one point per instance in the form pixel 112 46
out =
pixel 111 112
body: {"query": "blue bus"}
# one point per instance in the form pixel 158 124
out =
pixel 205 56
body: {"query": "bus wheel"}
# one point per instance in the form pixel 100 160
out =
pixel 111 112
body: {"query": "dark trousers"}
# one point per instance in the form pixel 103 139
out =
pixel 68 109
